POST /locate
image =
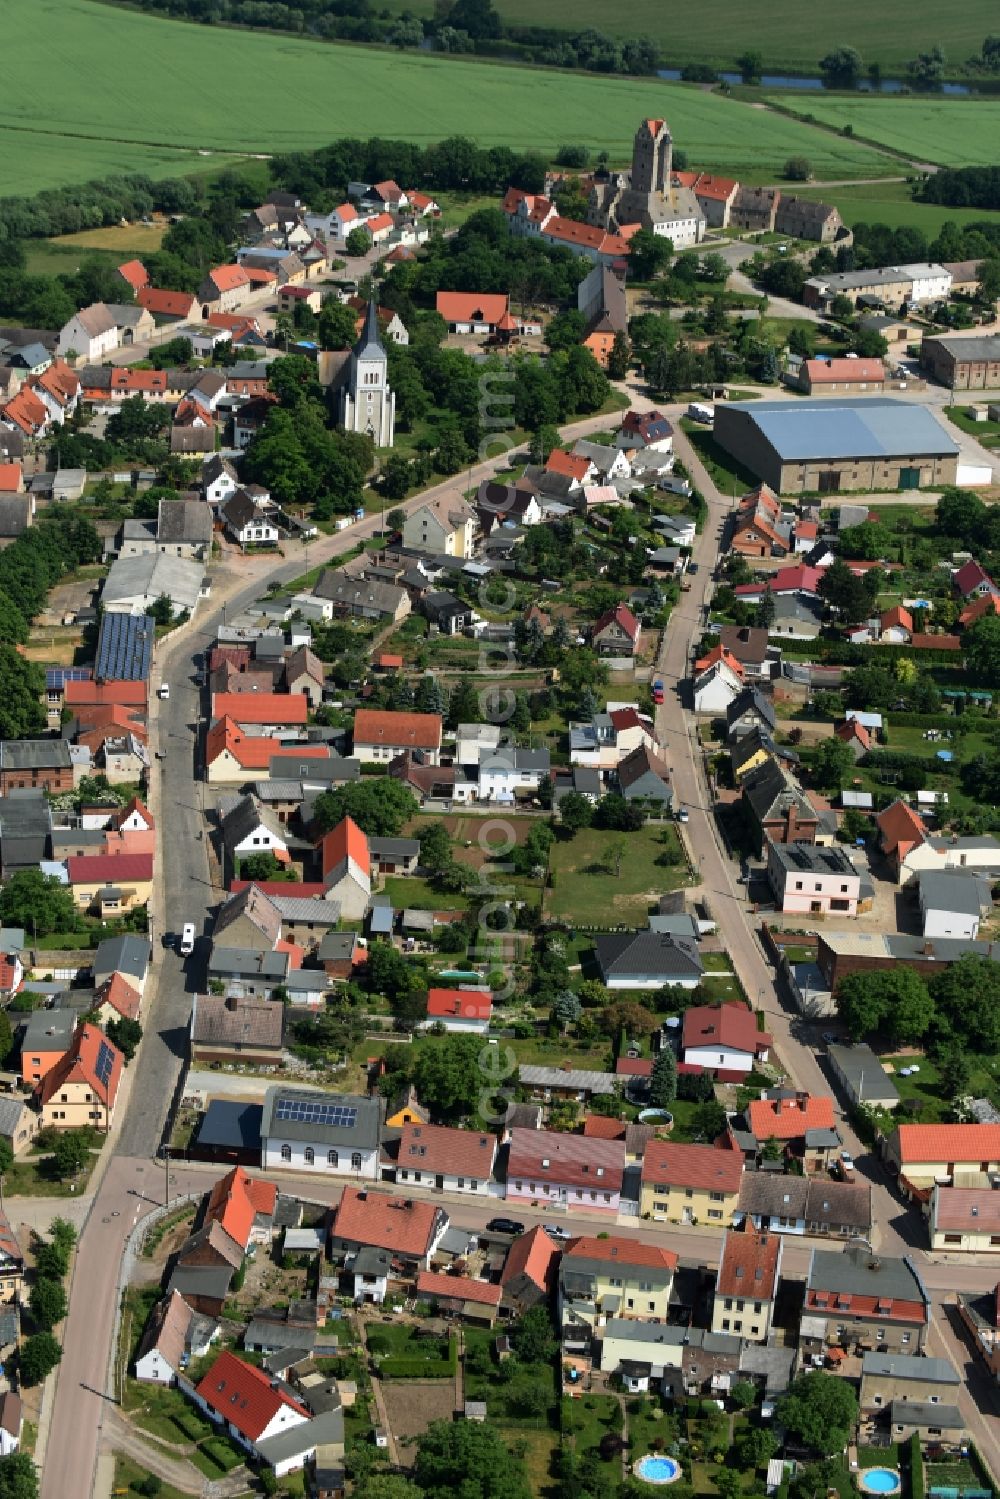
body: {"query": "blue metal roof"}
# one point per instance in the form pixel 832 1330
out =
pixel 58 676
pixel 855 427
pixel 125 647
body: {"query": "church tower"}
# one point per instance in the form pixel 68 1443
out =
pixel 367 404
pixel 652 157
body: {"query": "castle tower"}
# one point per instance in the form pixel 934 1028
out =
pixel 367 403
pixel 652 155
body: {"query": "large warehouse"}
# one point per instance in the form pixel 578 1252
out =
pixel 849 443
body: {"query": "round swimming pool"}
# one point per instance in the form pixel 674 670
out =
pixel 879 1481
pixel 656 1116
pixel 657 1469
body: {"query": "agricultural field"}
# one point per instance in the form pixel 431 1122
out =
pixel 948 132
pixel 788 33
pixel 890 203
pixel 81 106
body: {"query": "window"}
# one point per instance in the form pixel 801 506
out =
pixel 729 1303
pixel 877 1399
pixel 286 1152
pixel 309 1155
pixel 333 1159
pixel 356 1160
pixel 714 1214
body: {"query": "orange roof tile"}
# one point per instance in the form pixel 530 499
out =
pixel 79 1064
pixel 573 465
pixel 244 1396
pixel 163 303
pixel 406 730
pixel 120 995
pixel 26 411
pixel 600 1127
pixel 692 1166
pixel 457 1288
pixel 466 1004
pixel 451 1152
pixel 126 694
pixel 235 1201
pixel 534 1255
pixel 901 829
pixel 621 1251
pixel 261 707
pixel 151 382
pixel 135 273
pixel 228 277
pixel 345 841
pixel 789 1118
pixel 949 1144
pixel 472 307
pixel 401 1225
pixel 11 478
pixel 749 1265
pixel 718 654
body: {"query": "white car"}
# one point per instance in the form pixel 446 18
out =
pixel 187 939
pixel 164 691
pixel 556 1231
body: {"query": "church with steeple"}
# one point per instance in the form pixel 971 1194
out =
pixel 366 403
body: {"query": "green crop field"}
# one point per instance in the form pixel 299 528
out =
pixel 89 88
pixel 890 203
pixel 948 132
pixel 790 33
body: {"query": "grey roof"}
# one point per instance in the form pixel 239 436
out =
pixel 556 1077
pixel 201 1280
pixel 322 1430
pixel 336 946
pixel 967 348
pixel 184 522
pixel 811 858
pixel 245 962
pixel 774 1363
pixel 316 772
pixel 750 700
pixel 773 1195
pixel 307 909
pixel 244 817
pixel 15 513
pixel 394 848
pixel 771 791
pixel 124 647
pixel 859 1272
pixel 249 1023
pixel 269 1333
pixel 370 342
pixel 796 606
pixel 277 791
pixel 848 427
pixel 926 1413
pixel 654 1333
pixel 962 893
pixel 910 1366
pixel 34 754
pixel 589 1269
pixel 864 1073
pixel 151 576
pixel 363 1134
pixel 363 594
pixel 129 955
pixel 305 980
pixel 647 953
pixel 12 1106
pixel 231 1125
pixel 677 923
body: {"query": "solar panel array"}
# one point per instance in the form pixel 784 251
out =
pixel 105 1063
pixel 58 676
pixel 124 647
pixel 304 1111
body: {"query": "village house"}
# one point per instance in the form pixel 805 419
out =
pixel 449 1160
pixel 777 807
pixel 613 1276
pixel 802 1126
pixel 174 1334
pixel 723 1039
pixel 926 1153
pixel 800 1205
pixel 228 1030
pixel 647 960
pixel 336 1134
pixel 442 527
pixel 529 1272
pixel 808 879
pixel 690 1183
pixel 616 633
pixel 761 527
pixel 81 1088
pixel 567 1170
pixel 408 1231
pixel 459 1010
pixel 346 861
pixel 381 735
pixel 964 1218
pixel 251 1406
pixel 746 1284
pixel 858 1299
pixel 224 289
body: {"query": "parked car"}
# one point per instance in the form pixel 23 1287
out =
pixel 557 1231
pixel 504 1226
pixel 187 939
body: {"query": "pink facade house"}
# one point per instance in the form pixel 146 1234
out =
pixel 810 880
pixel 570 1171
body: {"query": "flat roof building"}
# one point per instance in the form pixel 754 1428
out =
pixel 850 443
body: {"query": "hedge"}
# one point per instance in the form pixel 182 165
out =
pixel 916 1468
pixel 420 1368
pixel 970 721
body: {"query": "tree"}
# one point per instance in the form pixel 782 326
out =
pixel 126 1035
pixel 960 513
pixel 388 971
pixel 954 1070
pixel 447 1075
pixel 532 1336
pixel 743 1394
pixel 832 763
pixel 982 649
pixel 435 848
pixel 841 68
pixel 663 1082
pixel 755 1448
pixel 38 903
pixel 48 1304
pixel 380 805
pixel 6 1157
pixel 967 997
pixel 396 520
pixel 649 254
pixel 797 169
pixel 708 1120
pixel 262 866
pixel 467 1459
pixel 566 1009
pixel 162 610
pixel 925 72
pixel 821 1410
pixel 18 1478
pixel 358 242
pixel 21 685
pixel 895 1002
pixel 388 1486
pixel 337 322
pixel 751 65
pixel 629 1016
pixel 69 1154
pixel 575 812
pixel 844 592
pixel 621 356
pixel 39 1356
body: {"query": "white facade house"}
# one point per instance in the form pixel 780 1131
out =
pixel 449 1160
pixel 716 688
pixel 328 1134
pixel 503 774
pixel 219 480
pixel 952 903
pixel 931 283
pixel 979 855
pixel 174 1334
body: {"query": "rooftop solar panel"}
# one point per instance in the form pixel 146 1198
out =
pixel 341 1116
pixel 125 647
pixel 105 1063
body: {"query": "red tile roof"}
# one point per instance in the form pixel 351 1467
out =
pixel 244 1396
pixel 78 1064
pixel 621 615
pixel 719 656
pixel 345 841
pixel 789 1118
pixel 378 222
pixel 972 1209
pixel 633 1067
pixel 730 1026
pixel 166 303
pixel 718 1170
pixel 388 661
pixel 135 273
pixel 843 371
pixel 134 805
pixel 749 1265
pixel 799 579
pixel 449 1152
pixel 126 694
pixel 254 752
pixel 988 603
pixel 465 1004
pixel 533 1254
pixel 119 993
pixel 948 1144
pixel 574 466
pixel 293 890
pixel 900 829
pixel 407 730
pixel 235 1201
pixel 924 642
pixel 472 307
pixel 851 729
pixel 621 1251
pixel 571 232
pixel 261 707
pixel 401 1225
pixel 11 478
pixel 457 1288
pixel 600 1127
pixel 26 411
pixel 228 277
pixel 109 869
pixel 970 575
pixel 543 1155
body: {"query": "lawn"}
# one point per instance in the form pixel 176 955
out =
pixel 590 891
pixel 926 1089
pixel 76 103
pixel 729 477
pixel 949 132
pixel 890 203
pixel 129 1478
pixel 788 33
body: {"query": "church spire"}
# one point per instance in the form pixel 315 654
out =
pixel 370 341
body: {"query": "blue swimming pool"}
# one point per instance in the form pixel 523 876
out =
pixel 655 1469
pixel 879 1481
